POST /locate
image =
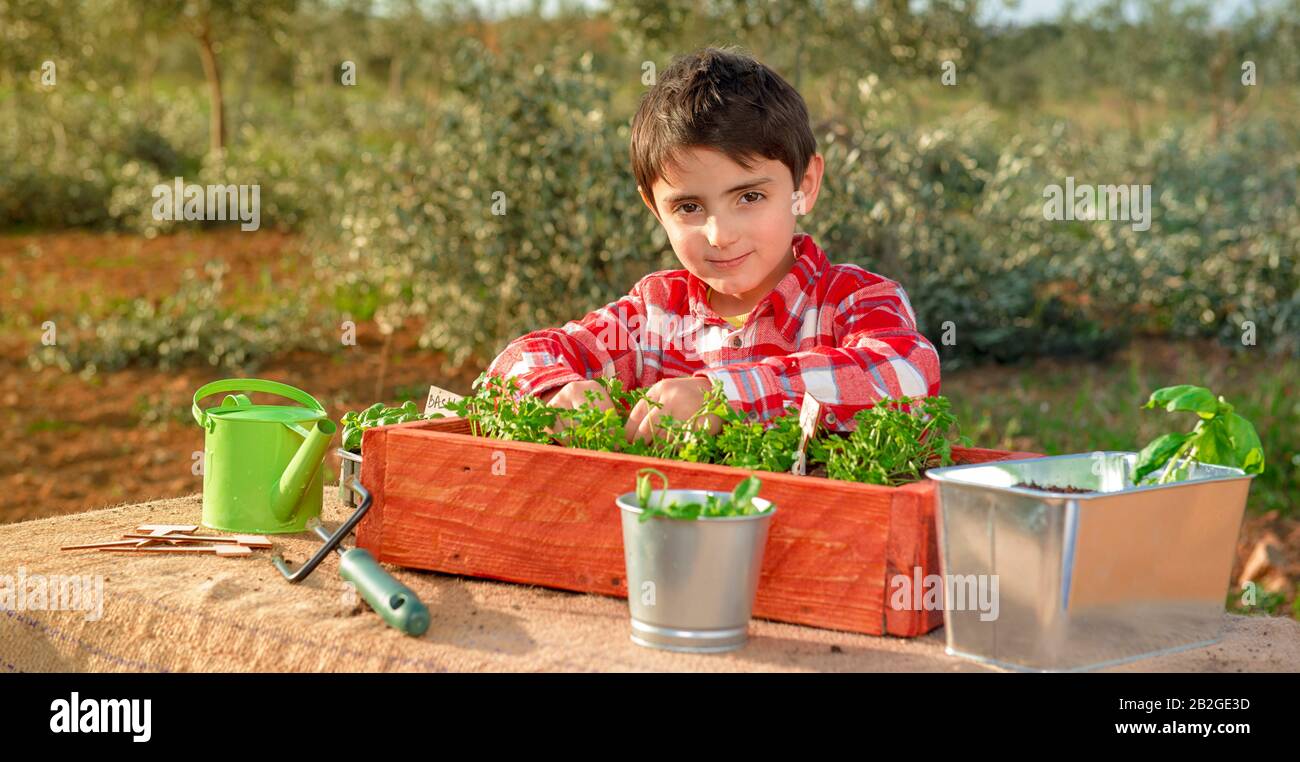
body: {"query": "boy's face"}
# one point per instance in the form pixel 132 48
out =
pixel 729 226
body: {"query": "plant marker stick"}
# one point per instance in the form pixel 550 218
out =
pixel 809 414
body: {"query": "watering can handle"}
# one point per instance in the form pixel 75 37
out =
pixel 251 385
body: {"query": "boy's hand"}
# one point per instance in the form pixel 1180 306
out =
pixel 679 397
pixel 573 395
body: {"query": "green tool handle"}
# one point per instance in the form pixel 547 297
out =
pixel 395 602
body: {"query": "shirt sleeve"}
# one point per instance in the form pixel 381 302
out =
pixel 877 353
pixel 604 344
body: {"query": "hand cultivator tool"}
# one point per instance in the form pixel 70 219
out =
pixel 399 606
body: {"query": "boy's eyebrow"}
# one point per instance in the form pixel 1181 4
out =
pixel 691 197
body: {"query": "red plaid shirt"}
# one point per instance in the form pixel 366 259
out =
pixel 845 335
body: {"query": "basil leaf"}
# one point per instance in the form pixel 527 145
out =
pixel 1213 443
pixel 1247 450
pixel 1195 400
pixel 1164 395
pixel 1156 454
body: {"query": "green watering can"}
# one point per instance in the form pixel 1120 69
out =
pixel 262 463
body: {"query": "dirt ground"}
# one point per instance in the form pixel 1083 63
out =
pixel 72 444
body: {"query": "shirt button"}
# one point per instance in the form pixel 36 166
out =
pixel 735 342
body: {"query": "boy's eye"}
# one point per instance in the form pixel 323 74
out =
pixel 683 208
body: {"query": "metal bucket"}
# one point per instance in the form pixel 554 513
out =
pixel 691 584
pixel 349 468
pixel 1087 580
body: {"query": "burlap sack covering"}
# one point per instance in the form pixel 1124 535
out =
pixel 204 613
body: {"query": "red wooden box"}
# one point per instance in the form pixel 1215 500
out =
pixel 550 520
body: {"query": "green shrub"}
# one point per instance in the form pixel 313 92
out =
pixel 188 327
pixel 416 222
pixel 398 198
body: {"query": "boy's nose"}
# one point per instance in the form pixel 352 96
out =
pixel 721 234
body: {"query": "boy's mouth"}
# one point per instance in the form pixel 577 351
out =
pixel 727 264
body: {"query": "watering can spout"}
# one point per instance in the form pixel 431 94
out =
pixel 301 470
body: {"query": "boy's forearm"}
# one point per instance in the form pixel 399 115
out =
pixel 544 361
pixel 536 369
pixel 844 379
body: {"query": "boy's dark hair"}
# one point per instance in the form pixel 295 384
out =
pixel 722 99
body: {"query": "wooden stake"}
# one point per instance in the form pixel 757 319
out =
pixel 220 550
pixel 110 544
pixel 247 540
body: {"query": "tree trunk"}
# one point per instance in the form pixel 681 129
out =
pixel 383 362
pixel 394 78
pixel 212 71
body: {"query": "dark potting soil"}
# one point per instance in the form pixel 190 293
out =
pixel 1054 488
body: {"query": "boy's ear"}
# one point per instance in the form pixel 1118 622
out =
pixel 811 183
pixel 646 200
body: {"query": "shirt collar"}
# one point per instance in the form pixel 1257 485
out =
pixel 787 300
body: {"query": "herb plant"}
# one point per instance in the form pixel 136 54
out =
pixel 497 410
pixel 750 444
pixel 894 442
pixel 740 502
pixel 376 415
pixel 891 444
pixel 1220 437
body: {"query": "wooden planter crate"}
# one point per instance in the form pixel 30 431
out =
pixel 550 520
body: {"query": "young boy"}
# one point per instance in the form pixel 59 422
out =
pixel 724 157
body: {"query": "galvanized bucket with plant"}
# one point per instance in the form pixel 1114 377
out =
pixel 1102 557
pixel 693 562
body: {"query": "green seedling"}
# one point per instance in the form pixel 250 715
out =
pixel 892 443
pixel 497 410
pixel 739 503
pixel 354 423
pixel 1220 437
pixel 754 445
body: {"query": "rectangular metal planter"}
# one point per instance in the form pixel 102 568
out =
pixel 448 501
pixel 349 467
pixel 1087 580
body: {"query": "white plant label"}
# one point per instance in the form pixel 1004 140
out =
pixel 438 400
pixel 810 412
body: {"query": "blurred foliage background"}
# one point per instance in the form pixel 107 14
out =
pixel 939 186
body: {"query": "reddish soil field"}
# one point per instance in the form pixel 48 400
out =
pixel 74 444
